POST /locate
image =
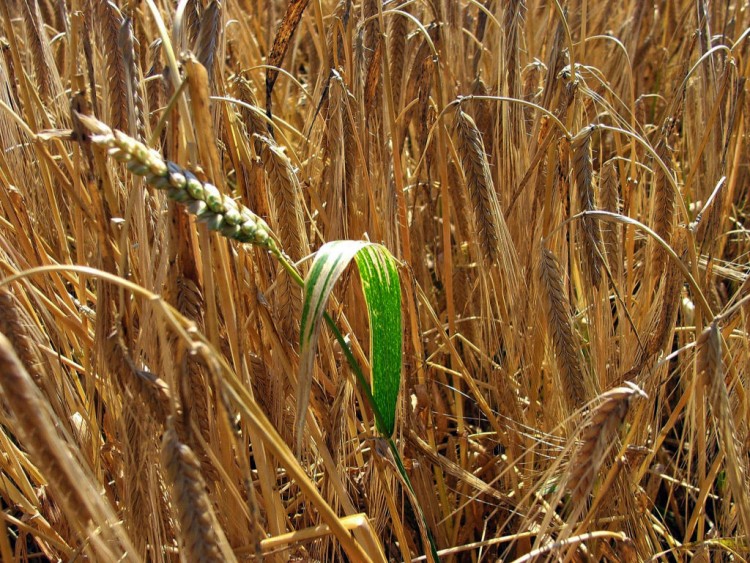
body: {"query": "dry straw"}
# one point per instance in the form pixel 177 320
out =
pixel 512 321
pixel 72 487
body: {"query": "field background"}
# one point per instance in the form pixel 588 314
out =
pixel 564 185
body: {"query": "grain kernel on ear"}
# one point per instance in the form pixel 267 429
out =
pixel 194 188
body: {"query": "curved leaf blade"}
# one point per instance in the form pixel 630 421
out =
pixel 380 283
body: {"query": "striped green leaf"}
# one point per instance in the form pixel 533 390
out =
pixel 378 272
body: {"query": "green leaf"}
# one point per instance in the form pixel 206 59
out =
pixel 380 283
pixel 378 272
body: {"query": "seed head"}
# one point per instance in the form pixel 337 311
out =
pixel 218 211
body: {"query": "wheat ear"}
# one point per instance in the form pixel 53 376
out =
pixel 126 45
pixel 289 221
pixel 610 201
pixel 561 329
pixel 664 203
pixel 209 36
pixel 201 535
pixel 252 120
pixel 72 487
pixel 45 71
pixel 397 51
pixel 583 170
pixel 154 87
pixel 333 188
pixel 663 313
pixel 220 212
pixel 110 20
pixel 23 334
pixel 494 237
pixel 597 439
pixel 483 114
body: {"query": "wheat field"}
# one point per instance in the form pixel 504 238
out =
pixel 563 186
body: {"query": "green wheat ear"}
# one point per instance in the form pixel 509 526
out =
pixel 220 212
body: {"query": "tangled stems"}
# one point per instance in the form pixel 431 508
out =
pixel 220 212
pixel 235 221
